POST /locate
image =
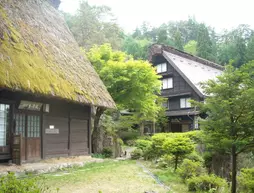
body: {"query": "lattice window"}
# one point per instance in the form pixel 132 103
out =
pixel 20 124
pixel 185 103
pixel 161 67
pixel 4 124
pixel 33 126
pixel 167 83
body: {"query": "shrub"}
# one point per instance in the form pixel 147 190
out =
pixel 98 155
pixel 107 152
pixel 143 144
pixel 145 137
pixel 210 183
pixel 178 146
pixel 246 180
pixel 128 135
pixel 149 153
pixel 165 161
pixel 136 154
pixel 194 156
pixel 130 142
pixel 11 184
pixel 190 168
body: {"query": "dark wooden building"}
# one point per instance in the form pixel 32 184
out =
pixel 47 87
pixel 181 75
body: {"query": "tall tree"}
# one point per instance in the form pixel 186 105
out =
pixel 94 25
pixel 178 40
pixel 191 47
pixel 250 49
pixel 230 109
pixel 232 45
pixel 204 43
pixel 133 84
pixel 138 48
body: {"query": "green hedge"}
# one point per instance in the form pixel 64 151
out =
pixel 246 180
pixel 206 182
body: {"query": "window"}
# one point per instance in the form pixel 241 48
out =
pixel 20 124
pixel 33 126
pixel 167 83
pixel 185 103
pixel 29 124
pixel 161 67
pixel 4 120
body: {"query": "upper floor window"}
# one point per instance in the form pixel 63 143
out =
pixel 167 83
pixel 185 103
pixel 161 67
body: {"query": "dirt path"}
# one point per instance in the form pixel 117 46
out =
pixel 107 177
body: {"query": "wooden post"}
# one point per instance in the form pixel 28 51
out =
pixel 142 126
pixel 153 126
pixel 17 149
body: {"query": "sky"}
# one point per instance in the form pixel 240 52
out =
pixel 220 14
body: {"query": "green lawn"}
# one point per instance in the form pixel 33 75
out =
pixel 168 177
pixel 106 177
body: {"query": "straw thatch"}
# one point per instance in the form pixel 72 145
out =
pixel 39 55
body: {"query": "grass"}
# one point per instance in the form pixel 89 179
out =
pixel 169 178
pixel 106 177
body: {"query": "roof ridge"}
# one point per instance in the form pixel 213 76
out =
pixel 187 55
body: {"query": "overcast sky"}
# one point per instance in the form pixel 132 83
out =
pixel 221 14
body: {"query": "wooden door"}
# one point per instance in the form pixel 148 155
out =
pixel 79 137
pixel 5 133
pixel 29 125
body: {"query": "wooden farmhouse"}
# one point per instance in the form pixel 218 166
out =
pixel 181 75
pixel 47 87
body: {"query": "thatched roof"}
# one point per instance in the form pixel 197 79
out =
pixel 39 55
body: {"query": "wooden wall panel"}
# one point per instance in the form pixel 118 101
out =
pixel 56 145
pixel 79 137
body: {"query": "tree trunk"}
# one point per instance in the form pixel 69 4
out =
pixel 176 162
pixel 234 156
pixel 97 136
pixel 142 127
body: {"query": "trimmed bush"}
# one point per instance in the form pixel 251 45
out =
pixel 136 154
pixel 194 156
pixel 209 183
pixel 179 147
pixel 189 169
pixel 246 180
pixel 165 161
pixel 11 184
pixel 143 144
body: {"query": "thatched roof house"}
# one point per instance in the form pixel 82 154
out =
pixel 38 54
pixel 47 87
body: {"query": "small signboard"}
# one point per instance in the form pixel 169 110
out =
pixel 16 149
pixel 51 131
pixel 28 105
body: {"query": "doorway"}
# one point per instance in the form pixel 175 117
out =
pixel 29 126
